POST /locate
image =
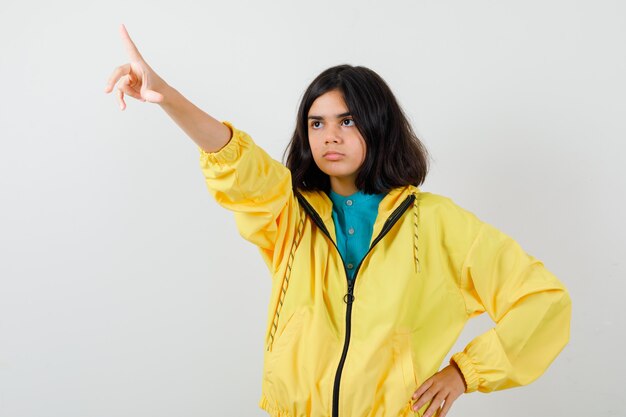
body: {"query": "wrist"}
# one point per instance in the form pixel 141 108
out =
pixel 454 366
pixel 169 94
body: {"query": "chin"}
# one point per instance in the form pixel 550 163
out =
pixel 330 170
pixel 334 170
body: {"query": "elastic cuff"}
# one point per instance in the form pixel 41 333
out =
pixel 467 369
pixel 229 152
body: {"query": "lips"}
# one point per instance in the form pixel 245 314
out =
pixel 333 156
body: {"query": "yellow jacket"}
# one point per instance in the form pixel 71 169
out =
pixel 335 350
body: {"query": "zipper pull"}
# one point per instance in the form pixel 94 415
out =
pixel 349 297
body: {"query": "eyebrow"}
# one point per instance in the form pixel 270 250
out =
pixel 339 116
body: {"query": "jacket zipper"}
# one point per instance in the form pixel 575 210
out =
pixel 349 297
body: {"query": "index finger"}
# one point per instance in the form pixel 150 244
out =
pixel 131 49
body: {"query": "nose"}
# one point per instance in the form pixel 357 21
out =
pixel 333 135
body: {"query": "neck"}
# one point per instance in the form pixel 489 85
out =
pixel 343 186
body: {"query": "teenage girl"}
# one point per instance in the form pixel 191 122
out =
pixel 372 278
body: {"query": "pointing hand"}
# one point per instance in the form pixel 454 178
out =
pixel 136 78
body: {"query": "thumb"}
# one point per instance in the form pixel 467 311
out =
pixel 152 96
pixel 148 94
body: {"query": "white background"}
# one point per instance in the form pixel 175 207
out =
pixel 125 290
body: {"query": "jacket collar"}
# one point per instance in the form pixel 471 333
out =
pixel 323 205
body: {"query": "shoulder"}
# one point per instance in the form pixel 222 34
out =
pixel 445 210
pixel 438 202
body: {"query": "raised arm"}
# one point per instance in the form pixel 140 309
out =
pixel 138 80
pixel 239 174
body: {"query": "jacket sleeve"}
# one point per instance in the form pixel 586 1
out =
pixel 243 178
pixel 530 306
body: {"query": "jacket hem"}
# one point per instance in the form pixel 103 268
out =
pixel 272 409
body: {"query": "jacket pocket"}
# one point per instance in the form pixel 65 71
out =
pixel 403 357
pixel 291 328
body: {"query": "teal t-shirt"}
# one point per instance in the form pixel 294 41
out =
pixel 354 218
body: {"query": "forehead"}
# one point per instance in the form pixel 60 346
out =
pixel 330 103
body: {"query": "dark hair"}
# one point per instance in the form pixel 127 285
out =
pixel 394 155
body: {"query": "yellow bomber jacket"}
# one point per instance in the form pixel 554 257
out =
pixel 334 349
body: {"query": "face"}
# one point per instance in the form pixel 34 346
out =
pixel 336 144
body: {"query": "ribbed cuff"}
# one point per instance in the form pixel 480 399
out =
pixel 467 369
pixel 228 152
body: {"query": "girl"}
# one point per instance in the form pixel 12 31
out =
pixel 372 278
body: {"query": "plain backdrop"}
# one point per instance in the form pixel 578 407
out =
pixel 125 290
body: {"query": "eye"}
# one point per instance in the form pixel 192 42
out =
pixel 315 124
pixel 347 122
